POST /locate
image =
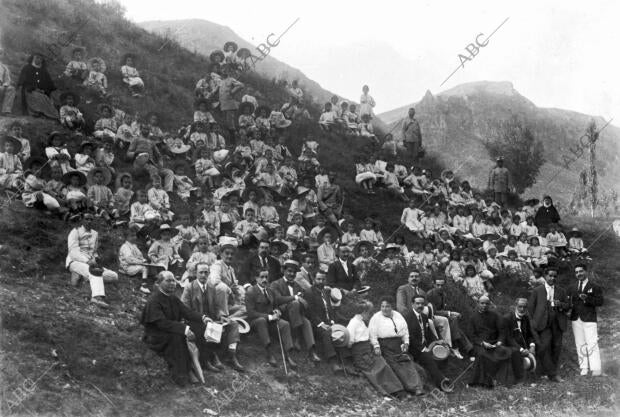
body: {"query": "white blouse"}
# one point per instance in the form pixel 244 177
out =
pixel 358 331
pixel 381 327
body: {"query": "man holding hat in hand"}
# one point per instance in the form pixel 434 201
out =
pixel 519 337
pixel 292 305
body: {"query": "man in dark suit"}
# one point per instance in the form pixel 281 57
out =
pixel 447 320
pixel 195 297
pixel 291 304
pixel 420 337
pixel 585 296
pixel 547 306
pixel 341 273
pixel 406 292
pixel 261 260
pixel 519 336
pixel 261 306
pixel 166 333
pixel 321 314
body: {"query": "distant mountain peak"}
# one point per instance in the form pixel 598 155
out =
pixel 504 88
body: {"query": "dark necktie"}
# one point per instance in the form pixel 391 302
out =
pixel 422 328
pixel 580 287
pixel 263 261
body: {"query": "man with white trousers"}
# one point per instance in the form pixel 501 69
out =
pixel 83 242
pixel 585 297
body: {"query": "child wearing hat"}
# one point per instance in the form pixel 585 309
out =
pixel 75 193
pixel 131 76
pixel 392 261
pixel 105 126
pixel 159 199
pixel 11 173
pixel 70 116
pixel 575 242
pixel 246 119
pixel 163 251
pixel 16 131
pixel 99 194
pixel 76 68
pixel 85 160
pixel 182 183
pixel 131 260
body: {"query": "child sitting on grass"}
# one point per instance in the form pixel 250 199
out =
pixel 99 194
pixel 142 213
pixel 131 261
pixel 75 194
pixel 159 199
pixel 105 127
pixel 85 159
pixel 70 116
pixel 202 255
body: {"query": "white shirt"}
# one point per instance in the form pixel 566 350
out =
pixel 550 293
pixel 583 285
pixel 358 331
pixel 344 266
pixel 381 327
pixel 421 322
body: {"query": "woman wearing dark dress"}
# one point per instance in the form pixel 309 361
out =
pixel 36 86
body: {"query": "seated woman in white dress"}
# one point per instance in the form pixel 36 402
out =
pixel 131 76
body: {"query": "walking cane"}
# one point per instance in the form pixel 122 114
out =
pixel 344 369
pixel 281 348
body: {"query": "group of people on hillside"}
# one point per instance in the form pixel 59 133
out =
pixel 195 200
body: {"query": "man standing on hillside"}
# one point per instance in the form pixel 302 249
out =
pixel 500 182
pixel 547 305
pixel 412 136
pixel 585 297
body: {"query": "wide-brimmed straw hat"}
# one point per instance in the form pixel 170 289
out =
pixel 156 234
pixel 101 62
pixel 574 232
pixel 340 336
pixel 66 178
pixel 244 327
pixel 76 97
pixel 280 246
pixel 107 175
pixel 17 145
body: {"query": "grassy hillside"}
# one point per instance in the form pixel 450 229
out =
pixel 63 356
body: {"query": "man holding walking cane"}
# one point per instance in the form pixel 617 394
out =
pixel 265 318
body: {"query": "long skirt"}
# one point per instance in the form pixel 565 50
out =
pixel 491 364
pixel 401 363
pixel 375 369
pixel 39 103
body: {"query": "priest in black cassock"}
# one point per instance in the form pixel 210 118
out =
pixel 166 334
pixel 493 358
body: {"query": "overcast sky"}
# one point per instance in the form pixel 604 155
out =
pixel 556 53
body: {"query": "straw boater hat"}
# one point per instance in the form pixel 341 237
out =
pixel 244 327
pixel 340 336
pixel 529 362
pixel 291 263
pixel 102 66
pixel 215 54
pixel 391 246
pixel 335 297
pixel 301 190
pixel 17 145
pixel 439 350
pixel 76 98
pixel 278 120
pixel 156 234
pixel 244 53
pixel 107 175
pixel 231 43
pixel 66 178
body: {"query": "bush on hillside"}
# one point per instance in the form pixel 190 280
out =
pixel 522 152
